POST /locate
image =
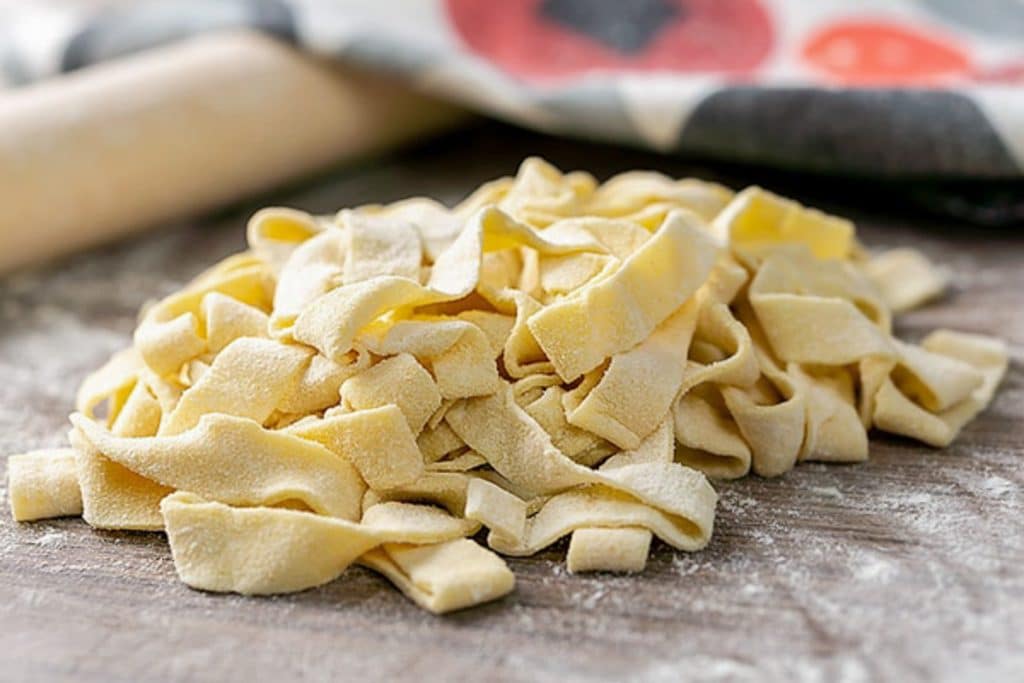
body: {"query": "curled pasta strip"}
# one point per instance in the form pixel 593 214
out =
pixel 896 411
pixel 312 269
pixel 445 489
pixel 464 462
pixel 834 432
pixel 173 331
pixel 655 367
pixel 438 441
pixel 248 379
pixel 518 449
pixel 771 416
pixel 111 382
pixel 438 226
pixel 815 312
pixel 43 484
pixel 522 355
pixel 377 441
pixel 443 577
pixel 539 193
pixel 243 277
pixel 380 246
pixel 265 550
pixel 235 461
pixel 544 399
pixel 905 279
pixel 228 319
pixel 274 233
pixel 615 313
pixel 563 274
pixel 400 381
pixel 330 323
pixel 459 354
pixel 708 437
pixel 645 197
pixel 319 385
pixel 622 549
pixel 756 218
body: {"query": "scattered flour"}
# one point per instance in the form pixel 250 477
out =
pixel 876 569
pixel 913 499
pixel 685 564
pixel 590 601
pixel 50 539
pixel 734 501
pixel 998 487
pixel 827 491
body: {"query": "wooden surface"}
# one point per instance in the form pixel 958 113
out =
pixel 909 567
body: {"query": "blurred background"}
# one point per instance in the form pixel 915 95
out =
pixel 116 115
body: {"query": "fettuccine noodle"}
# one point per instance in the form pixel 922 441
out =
pixel 552 357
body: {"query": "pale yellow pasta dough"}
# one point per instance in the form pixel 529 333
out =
pixel 228 319
pixel 234 460
pixel 544 399
pixel 437 225
pixel 112 383
pixel 437 442
pixel 377 441
pixel 612 550
pixel 459 463
pixel 266 550
pixel 905 278
pixel 140 415
pixel 756 218
pixel 380 246
pixel 620 550
pixel 399 381
pixel 43 484
pixel 113 496
pixel 318 386
pixel 458 353
pixel 443 577
pixel 618 312
pixel 497 509
pixel 275 232
pixel 897 412
pixel 552 357
pixel 331 321
pixel 247 379
pixel 446 489
pixel 654 368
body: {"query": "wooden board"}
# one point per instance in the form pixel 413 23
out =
pixel 909 567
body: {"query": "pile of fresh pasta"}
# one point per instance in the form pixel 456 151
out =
pixel 553 357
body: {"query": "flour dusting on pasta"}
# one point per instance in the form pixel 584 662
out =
pixel 552 357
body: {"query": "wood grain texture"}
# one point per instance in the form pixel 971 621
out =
pixel 909 567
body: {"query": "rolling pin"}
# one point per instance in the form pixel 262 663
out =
pixel 178 130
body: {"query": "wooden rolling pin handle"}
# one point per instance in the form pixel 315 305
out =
pixel 177 130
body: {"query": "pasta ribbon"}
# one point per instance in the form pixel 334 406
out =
pixel 43 484
pixel 234 460
pixel 266 550
pixel 757 218
pixel 905 278
pixel 655 367
pixel 613 314
pixel 331 322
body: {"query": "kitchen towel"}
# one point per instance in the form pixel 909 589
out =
pixel 876 88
